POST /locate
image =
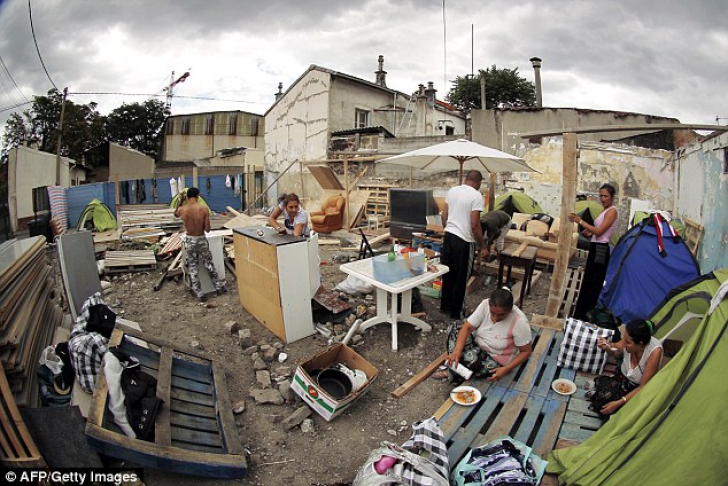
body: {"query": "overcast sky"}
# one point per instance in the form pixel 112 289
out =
pixel 665 57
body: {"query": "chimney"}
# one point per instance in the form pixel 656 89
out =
pixel 420 90
pixel 381 79
pixel 430 91
pixel 280 91
pixel 536 63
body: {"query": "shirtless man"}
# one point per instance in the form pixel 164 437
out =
pixel 196 218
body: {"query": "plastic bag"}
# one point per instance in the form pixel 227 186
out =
pixel 354 286
pixel 49 358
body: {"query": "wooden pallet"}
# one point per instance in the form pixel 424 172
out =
pixel 574 277
pixel 522 405
pixel 130 261
pixel 17 448
pixel 195 432
pixel 580 423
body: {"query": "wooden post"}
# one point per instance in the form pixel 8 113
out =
pixel 563 248
pixel 194 177
pixel 346 187
pixel 491 190
pixel 411 169
pixel 117 191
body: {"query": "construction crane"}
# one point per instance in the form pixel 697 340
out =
pixel 170 89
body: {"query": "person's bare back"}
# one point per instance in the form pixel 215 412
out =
pixel 195 216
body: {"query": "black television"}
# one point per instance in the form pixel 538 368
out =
pixel 409 209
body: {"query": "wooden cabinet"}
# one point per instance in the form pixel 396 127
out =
pixel 275 276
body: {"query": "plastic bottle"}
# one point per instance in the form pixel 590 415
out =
pixel 461 370
pixel 391 256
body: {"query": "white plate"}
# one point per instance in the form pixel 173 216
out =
pixel 418 234
pixel 564 383
pixel 455 398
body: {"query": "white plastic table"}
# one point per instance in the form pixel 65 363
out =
pixel 362 269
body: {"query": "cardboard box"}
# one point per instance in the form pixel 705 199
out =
pixel 316 398
pixel 387 272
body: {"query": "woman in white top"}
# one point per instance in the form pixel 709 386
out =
pixel 641 356
pixel 493 341
pixel 295 218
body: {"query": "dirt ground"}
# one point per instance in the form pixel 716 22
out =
pixel 331 453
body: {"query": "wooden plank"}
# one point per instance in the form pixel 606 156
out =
pixel 407 386
pixel 553 414
pixel 546 322
pixel 225 414
pixel 192 397
pixel 506 418
pixel 196 437
pixel 162 433
pixel 192 422
pixel 535 362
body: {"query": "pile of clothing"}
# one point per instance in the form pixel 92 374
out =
pixel 502 462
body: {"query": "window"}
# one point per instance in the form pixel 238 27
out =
pixel 254 128
pixel 233 127
pixel 449 130
pixel 185 126
pixel 210 124
pixel 362 118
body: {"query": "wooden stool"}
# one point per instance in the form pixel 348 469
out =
pixel 523 256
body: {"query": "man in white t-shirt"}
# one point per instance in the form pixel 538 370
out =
pixel 463 236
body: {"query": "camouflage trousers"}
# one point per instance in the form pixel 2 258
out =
pixel 198 252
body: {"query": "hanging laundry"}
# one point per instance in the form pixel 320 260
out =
pixel 228 183
pixel 125 191
pixel 173 187
pixel 142 192
pixel 208 186
pixel 237 185
pixel 181 183
pixel 155 194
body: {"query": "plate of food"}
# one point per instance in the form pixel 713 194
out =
pixel 562 386
pixel 465 395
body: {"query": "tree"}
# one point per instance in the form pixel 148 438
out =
pixel 40 124
pixel 503 87
pixel 138 125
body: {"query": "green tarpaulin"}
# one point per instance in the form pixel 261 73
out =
pixel 674 430
pixel 173 203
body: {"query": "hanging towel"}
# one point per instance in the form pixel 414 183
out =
pixel 208 185
pixel 228 184
pixel 155 194
pixel 237 185
pixel 181 183
pixel 173 187
pixel 142 192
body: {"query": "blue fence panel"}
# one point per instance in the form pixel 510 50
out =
pixel 79 197
pixel 218 197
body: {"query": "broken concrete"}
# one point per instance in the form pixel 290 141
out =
pixel 262 377
pixel 269 395
pixel 297 417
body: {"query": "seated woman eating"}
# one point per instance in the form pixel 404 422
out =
pixel 492 342
pixel 641 355
pixel 295 218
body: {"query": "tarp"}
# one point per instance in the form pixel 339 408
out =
pixel 516 202
pixel 589 210
pixel 98 213
pixel 200 200
pixel 674 430
pixel 639 276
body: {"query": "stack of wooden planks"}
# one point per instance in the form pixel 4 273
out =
pixel 172 245
pixel 130 261
pixel 28 314
pixel 147 223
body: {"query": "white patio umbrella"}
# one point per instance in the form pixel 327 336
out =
pixel 468 155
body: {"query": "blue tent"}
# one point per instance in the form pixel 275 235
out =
pixel 641 274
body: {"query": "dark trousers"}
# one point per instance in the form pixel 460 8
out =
pixel 591 285
pixel 459 256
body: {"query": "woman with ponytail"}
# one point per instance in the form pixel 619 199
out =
pixel 641 355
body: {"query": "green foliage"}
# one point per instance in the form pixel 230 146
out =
pixel 503 87
pixel 135 125
pixel 138 125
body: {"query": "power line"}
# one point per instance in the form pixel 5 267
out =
pixel 11 79
pixel 203 98
pixel 8 108
pixel 32 29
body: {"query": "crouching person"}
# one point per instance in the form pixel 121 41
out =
pixel 492 342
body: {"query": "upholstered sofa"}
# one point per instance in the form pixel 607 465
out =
pixel 539 234
pixel 331 216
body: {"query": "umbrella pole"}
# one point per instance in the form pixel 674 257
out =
pixel 461 172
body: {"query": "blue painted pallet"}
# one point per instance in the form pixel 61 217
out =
pixel 195 432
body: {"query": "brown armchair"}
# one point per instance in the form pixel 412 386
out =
pixel 331 216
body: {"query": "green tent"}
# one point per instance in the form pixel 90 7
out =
pixel 516 202
pixel 674 430
pixel 200 200
pixel 98 215
pixel 640 215
pixel 588 209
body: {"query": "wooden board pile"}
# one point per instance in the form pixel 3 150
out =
pixel 147 224
pixel 130 261
pixel 28 314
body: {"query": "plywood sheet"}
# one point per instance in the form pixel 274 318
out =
pixel 78 269
pixel 325 177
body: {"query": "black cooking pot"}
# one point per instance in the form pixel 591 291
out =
pixel 335 383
